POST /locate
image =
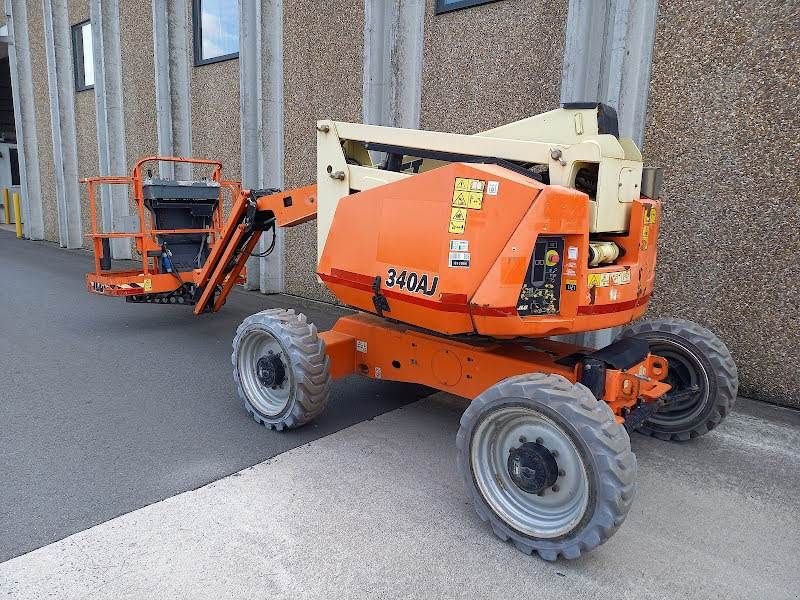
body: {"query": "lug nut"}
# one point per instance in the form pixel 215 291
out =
pixel 555 488
pixel 522 439
pixel 561 472
pixel 539 441
pixel 554 453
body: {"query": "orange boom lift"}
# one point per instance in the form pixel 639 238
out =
pixel 463 256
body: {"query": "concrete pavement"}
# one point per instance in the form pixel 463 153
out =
pixel 378 511
pixel 106 407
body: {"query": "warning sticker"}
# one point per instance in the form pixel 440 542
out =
pixel 147 284
pixel 468 193
pixel 572 285
pixel 606 279
pixel 458 220
pixel 459 245
pixel 475 200
pixel 621 277
pixel 459 259
pixel 464 184
pixel 648 219
pixel 461 198
pixel 492 188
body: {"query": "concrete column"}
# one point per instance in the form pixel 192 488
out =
pixel 61 86
pixel 607 57
pixel 110 118
pixel 19 53
pixel 393 39
pixel 261 112
pixel 171 60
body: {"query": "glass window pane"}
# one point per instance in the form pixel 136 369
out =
pixel 220 28
pixel 88 55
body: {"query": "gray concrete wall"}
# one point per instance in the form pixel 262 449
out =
pixel 43 126
pixel 323 54
pixel 215 110
pixel 722 121
pixel 85 128
pixel 491 64
pixel 138 88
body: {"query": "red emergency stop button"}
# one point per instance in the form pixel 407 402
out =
pixel 551 258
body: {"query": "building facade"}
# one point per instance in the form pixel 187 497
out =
pixel 709 91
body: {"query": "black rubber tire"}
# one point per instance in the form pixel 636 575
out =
pixel 603 444
pixel 712 362
pixel 309 363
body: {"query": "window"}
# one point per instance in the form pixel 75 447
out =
pixel 443 6
pixel 216 30
pixel 83 56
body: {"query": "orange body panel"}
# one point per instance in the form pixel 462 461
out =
pixel 411 234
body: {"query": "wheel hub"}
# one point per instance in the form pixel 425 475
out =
pixel 532 467
pixel 270 371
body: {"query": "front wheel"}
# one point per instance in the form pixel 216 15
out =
pixel 280 368
pixel 546 464
pixel 702 374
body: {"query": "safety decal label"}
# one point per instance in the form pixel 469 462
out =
pixel 459 245
pixel 468 193
pixel 607 279
pixel 648 218
pixel 492 188
pixel 571 284
pixel 458 220
pixel 147 284
pixel 459 259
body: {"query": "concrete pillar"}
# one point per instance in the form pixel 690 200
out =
pixel 61 87
pixel 607 57
pixel 261 118
pixel 19 53
pixel 393 40
pixel 110 118
pixel 171 60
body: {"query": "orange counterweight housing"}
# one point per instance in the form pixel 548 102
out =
pixel 479 248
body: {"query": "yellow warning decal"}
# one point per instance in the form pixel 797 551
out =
pixel 461 198
pixel 607 279
pixel 648 219
pixel 147 284
pixel 468 193
pixel 463 184
pixel 475 200
pixel 458 220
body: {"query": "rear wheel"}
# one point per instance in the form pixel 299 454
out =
pixel 702 374
pixel 546 464
pixel 280 368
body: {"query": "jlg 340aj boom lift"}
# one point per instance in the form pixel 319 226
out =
pixel 463 255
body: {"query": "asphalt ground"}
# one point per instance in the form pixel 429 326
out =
pixel 108 406
pixel 378 510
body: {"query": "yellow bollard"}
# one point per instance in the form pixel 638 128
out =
pixel 6 206
pixel 17 215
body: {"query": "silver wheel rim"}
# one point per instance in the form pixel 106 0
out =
pixel 255 344
pixel 549 515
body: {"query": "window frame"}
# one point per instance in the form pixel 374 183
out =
pixel 197 32
pixel 442 6
pixel 78 56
